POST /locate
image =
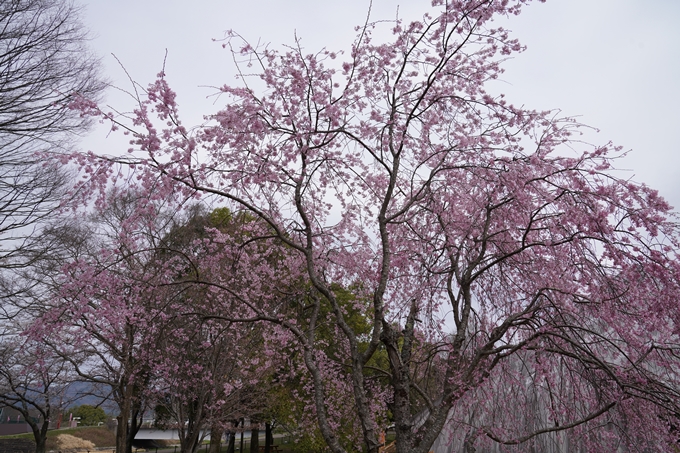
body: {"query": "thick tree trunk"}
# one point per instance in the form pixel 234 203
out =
pixel 401 403
pixel 189 443
pixel 123 439
pixel 135 425
pixel 129 419
pixel 231 445
pixel 40 436
pixel 400 362
pixel 121 433
pixel 254 438
pixel 40 445
pixel 190 433
pixel 215 439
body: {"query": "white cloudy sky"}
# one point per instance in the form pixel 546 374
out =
pixel 614 63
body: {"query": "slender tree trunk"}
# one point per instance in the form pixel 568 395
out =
pixel 268 437
pixel 243 426
pixel 215 439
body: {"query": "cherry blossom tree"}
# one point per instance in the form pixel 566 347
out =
pixel 208 380
pixel 129 316
pixel 106 309
pixel 34 382
pixel 482 235
pixel 206 367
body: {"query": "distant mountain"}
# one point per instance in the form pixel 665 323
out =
pixel 80 393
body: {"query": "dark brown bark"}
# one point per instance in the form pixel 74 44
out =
pixel 268 437
pixel 400 364
pixel 243 423
pixel 135 424
pixel 215 439
pixel 39 433
pixel 122 418
pixel 254 438
pixel 231 445
pixel 40 445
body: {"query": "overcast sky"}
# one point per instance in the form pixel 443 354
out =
pixel 613 63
